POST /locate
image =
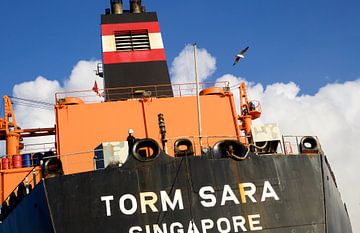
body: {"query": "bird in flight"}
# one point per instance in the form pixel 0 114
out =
pixel 240 55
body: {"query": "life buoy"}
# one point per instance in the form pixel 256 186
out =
pixel 230 148
pixel 183 147
pixel 146 149
pixel 309 145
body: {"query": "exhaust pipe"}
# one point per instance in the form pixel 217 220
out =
pixel 135 6
pixel 116 7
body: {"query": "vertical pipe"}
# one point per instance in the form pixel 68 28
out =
pixel 2 187
pixel 198 98
pixel 27 185
pixel 34 177
pixel 116 6
pixel 135 6
pixel 144 116
pixel 235 116
pixel 297 145
pixel 12 144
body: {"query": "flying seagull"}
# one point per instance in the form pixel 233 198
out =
pixel 240 55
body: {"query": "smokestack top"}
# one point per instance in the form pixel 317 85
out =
pixel 135 6
pixel 116 7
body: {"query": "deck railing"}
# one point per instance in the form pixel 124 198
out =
pixel 136 92
pixel 38 147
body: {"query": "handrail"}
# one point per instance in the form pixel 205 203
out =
pixel 161 90
pixel 39 147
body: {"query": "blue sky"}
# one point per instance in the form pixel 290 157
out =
pixel 309 42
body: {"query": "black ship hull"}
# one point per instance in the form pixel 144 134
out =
pixel 270 193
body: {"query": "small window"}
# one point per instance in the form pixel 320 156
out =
pixel 132 40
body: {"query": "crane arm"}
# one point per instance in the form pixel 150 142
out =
pixel 9 116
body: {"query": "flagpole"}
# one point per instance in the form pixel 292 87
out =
pixel 198 97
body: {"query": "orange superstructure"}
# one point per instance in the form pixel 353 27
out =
pixel 91 124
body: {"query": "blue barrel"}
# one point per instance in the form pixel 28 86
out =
pixel 26 160
pixel 36 158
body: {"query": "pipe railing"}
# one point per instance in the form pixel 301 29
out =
pixel 137 92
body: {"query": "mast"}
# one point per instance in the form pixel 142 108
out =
pixel 198 97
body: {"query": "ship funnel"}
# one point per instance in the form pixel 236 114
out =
pixel 116 7
pixel 135 6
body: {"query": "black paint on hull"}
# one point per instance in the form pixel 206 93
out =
pixel 308 200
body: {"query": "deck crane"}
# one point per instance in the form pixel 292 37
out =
pixel 13 134
pixel 250 110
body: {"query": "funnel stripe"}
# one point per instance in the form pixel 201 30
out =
pixel 134 56
pixel 110 29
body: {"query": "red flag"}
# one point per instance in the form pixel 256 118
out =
pixel 96 89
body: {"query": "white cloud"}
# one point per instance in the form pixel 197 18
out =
pixel 183 70
pixel 2 148
pixel 82 76
pixel 41 89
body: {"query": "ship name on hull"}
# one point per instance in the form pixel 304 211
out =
pixel 152 202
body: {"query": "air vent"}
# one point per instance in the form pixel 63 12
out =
pixel 132 40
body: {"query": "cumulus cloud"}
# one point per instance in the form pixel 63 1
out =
pixel 42 89
pixel 82 77
pixel 183 70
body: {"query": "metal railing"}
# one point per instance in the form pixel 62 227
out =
pixel 136 92
pixel 38 147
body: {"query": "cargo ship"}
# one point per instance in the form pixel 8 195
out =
pixel 145 155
